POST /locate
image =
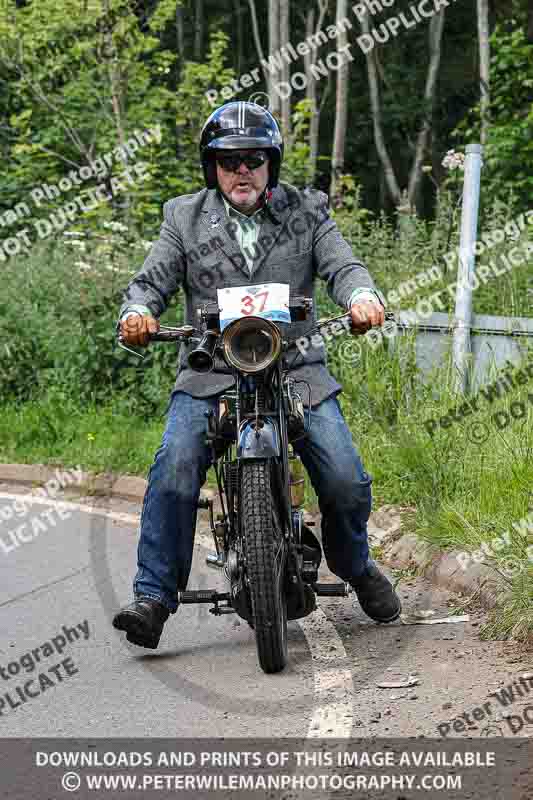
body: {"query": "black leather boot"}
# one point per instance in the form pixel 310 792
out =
pixel 143 621
pixel 376 595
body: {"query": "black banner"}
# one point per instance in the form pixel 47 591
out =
pixel 392 769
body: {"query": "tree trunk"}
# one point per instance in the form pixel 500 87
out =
pixel 311 97
pixel 180 49
pixel 311 87
pixel 199 30
pixel 273 47
pixel 379 139
pixel 529 31
pixel 113 71
pixel 484 65
pixel 238 14
pixel 286 71
pixel 341 108
pixel 383 195
pixel 180 39
pixel 257 40
pixel 436 27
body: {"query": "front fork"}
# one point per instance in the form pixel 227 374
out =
pixel 263 441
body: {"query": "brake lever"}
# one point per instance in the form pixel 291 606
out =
pixel 128 349
pixel 184 332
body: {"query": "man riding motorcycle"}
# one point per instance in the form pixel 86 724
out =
pixel 242 229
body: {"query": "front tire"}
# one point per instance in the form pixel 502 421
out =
pixel 265 558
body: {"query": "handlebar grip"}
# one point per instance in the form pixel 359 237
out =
pixel 172 336
pixel 165 336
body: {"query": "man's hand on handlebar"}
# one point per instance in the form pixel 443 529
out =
pixel 136 329
pixel 366 316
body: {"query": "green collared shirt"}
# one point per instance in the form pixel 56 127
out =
pixel 247 232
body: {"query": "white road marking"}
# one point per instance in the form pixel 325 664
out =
pixel 333 715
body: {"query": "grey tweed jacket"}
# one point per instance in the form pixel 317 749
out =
pixel 197 251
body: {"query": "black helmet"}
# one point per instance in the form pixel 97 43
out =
pixel 238 126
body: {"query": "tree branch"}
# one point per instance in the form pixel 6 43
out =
pixel 436 27
pixel 273 47
pixel 58 155
pixel 379 139
pixel 257 38
pixel 341 110
pixel 41 96
pixel 325 93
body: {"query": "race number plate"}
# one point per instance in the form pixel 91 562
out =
pixel 268 300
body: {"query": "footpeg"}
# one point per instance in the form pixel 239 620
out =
pixel 332 589
pixel 202 596
pixel 208 596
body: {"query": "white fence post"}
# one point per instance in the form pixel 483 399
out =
pixel 466 266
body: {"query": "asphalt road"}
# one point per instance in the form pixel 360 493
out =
pixel 62 580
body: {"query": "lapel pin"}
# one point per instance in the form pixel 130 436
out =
pixel 214 219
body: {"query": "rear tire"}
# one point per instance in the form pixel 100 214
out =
pixel 266 553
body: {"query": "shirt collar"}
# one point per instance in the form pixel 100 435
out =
pixel 257 216
pixel 273 210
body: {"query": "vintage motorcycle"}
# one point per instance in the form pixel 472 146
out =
pixel 270 558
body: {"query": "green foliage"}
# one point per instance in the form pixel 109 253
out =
pixel 75 80
pixel 396 257
pixel 193 109
pixel 57 317
pixel 349 211
pixel 508 161
pixel 83 85
pixel 510 146
pixel 296 164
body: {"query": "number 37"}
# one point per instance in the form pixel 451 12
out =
pixel 252 305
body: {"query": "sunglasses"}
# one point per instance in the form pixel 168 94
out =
pixel 231 163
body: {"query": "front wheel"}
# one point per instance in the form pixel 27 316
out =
pixel 265 558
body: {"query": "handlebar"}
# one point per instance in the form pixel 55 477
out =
pixel 186 332
pixel 166 333
pixel 169 334
pixel 344 318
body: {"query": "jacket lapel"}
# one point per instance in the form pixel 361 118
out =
pixel 216 224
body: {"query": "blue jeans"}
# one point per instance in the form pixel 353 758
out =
pixel 168 519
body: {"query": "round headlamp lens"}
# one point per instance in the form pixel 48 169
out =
pixel 251 344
